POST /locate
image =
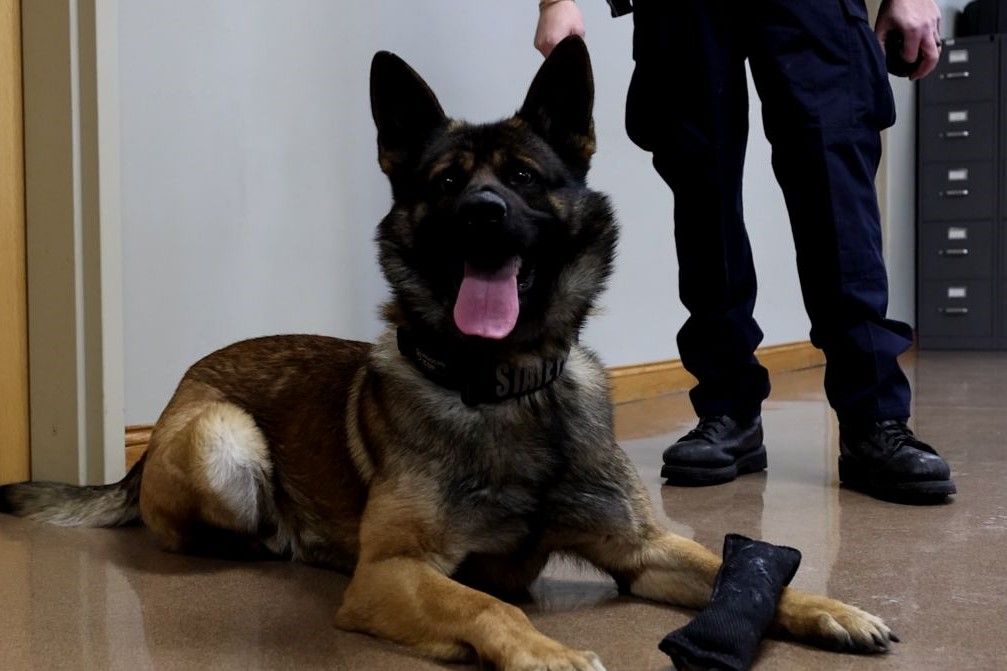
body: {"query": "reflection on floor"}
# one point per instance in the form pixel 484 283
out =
pixel 99 599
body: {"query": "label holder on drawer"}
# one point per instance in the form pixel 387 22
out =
pixel 957 56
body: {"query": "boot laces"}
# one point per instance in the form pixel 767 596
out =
pixel 896 434
pixel 708 429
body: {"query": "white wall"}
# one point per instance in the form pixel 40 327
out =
pixel 251 190
pixel 949 8
pixel 899 224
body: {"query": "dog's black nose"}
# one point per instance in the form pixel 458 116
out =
pixel 483 207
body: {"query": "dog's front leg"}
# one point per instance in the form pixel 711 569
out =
pixel 410 601
pixel 655 564
pixel 401 591
pixel 658 565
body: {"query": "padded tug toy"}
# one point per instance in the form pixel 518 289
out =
pixel 727 633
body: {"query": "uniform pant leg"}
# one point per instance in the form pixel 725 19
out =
pixel 688 105
pixel 825 95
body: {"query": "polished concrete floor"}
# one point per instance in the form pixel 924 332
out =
pixel 106 599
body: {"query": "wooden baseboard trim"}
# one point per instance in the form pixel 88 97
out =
pixel 643 381
pixel 137 437
pixel 629 383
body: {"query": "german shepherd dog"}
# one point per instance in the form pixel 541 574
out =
pixel 473 441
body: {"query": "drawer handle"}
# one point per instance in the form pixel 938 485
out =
pixel 956 134
pixel 955 193
pixel 955 251
pixel 962 74
pixel 954 312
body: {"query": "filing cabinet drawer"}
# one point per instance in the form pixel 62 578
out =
pixel 1003 102
pixel 956 191
pixel 957 132
pixel 1003 186
pixel 956 250
pixel 956 308
pixel 967 71
pixel 1003 316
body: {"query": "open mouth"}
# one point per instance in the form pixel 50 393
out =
pixel 488 302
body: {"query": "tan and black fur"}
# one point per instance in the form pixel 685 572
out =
pixel 345 454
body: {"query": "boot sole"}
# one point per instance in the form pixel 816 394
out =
pixel 924 492
pixel 697 476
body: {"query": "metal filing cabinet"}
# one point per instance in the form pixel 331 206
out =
pixel 1000 290
pixel 961 198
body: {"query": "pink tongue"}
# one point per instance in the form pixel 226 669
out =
pixel 487 304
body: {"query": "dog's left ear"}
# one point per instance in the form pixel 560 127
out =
pixel 560 101
pixel 406 112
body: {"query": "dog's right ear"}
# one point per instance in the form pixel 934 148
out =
pixel 405 111
pixel 560 101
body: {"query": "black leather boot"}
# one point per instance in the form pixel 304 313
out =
pixel 718 450
pixel 885 460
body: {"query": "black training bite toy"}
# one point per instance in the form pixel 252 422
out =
pixel 895 41
pixel 727 633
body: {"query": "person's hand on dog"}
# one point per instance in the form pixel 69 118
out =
pixel 557 20
pixel 919 22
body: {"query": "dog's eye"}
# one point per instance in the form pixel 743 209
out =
pixel 522 177
pixel 448 182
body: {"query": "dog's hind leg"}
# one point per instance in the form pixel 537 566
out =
pixel 210 484
pixel 655 564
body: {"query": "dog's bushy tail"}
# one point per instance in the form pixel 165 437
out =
pixel 71 506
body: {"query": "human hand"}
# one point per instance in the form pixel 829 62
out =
pixel 919 21
pixel 557 19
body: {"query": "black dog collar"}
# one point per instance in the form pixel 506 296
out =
pixel 479 378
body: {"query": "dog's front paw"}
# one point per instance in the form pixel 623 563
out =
pixel 554 658
pixel 832 624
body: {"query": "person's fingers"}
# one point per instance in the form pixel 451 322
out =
pixel 540 33
pixel 931 55
pixel 543 46
pixel 912 42
pixel 918 26
pixel 882 28
pixel 556 22
pixel 547 38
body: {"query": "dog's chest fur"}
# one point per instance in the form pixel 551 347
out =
pixel 497 467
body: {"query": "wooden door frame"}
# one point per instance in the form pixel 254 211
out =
pixel 14 462
pixel 74 246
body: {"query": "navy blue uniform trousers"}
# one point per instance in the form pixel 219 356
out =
pixel 820 75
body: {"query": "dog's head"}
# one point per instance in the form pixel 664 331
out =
pixel 493 234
